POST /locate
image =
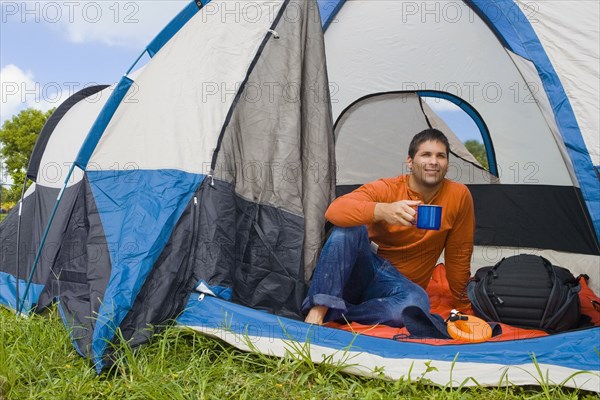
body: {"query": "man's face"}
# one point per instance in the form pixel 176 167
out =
pixel 430 164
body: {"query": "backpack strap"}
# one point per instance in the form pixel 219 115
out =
pixel 492 271
pixel 489 304
pixel 555 287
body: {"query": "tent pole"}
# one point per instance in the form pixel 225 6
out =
pixel 135 62
pixel 18 243
pixel 39 251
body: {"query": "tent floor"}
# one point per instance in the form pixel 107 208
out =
pixel 439 294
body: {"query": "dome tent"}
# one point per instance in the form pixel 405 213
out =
pixel 166 184
pixel 248 236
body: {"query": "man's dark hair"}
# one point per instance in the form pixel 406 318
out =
pixel 425 136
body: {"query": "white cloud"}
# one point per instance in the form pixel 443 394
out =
pixel 129 23
pixel 114 23
pixel 19 90
pixel 12 80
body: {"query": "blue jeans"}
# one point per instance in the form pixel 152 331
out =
pixel 358 285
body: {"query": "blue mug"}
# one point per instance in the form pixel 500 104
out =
pixel 429 217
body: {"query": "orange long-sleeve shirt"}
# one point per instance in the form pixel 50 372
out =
pixel 414 252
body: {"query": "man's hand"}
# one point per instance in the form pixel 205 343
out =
pixel 398 213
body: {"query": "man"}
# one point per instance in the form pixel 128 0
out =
pixel 376 262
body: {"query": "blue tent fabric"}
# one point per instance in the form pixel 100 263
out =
pixel 328 10
pixel 130 215
pixel 173 27
pixel 8 293
pixel 212 314
pixel 102 121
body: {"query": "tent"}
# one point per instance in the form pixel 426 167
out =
pixel 172 177
pixel 199 181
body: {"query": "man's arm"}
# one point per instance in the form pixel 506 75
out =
pixel 371 203
pixel 459 249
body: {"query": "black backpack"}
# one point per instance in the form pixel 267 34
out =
pixel 526 291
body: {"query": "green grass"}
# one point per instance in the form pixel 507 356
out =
pixel 37 361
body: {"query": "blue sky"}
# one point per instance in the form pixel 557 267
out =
pixel 51 49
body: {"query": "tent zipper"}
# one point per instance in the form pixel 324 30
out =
pixel 184 274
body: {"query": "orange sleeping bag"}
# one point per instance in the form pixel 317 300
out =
pixel 440 297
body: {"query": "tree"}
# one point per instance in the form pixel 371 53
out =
pixel 17 137
pixel 478 150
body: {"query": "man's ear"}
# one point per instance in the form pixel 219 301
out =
pixel 409 162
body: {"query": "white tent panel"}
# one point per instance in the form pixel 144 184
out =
pixel 66 140
pixel 535 86
pixel 570 35
pixel 470 63
pixel 366 151
pixel 173 114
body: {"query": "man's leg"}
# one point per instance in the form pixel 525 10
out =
pixel 386 296
pixel 346 253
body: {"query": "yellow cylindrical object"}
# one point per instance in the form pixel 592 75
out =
pixel 472 330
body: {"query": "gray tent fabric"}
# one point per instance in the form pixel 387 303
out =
pixel 38 202
pixel 253 227
pixel 80 273
pixel 253 249
pixel 277 153
pixel 36 210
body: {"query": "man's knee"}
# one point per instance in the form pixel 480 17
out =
pixel 351 233
pixel 405 292
pixel 415 296
pixel 418 297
